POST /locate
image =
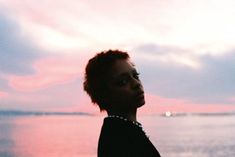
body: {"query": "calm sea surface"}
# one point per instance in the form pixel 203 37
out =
pixel 77 136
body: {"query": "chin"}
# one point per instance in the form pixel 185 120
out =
pixel 141 103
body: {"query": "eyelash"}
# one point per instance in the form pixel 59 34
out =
pixel 124 81
pixel 136 75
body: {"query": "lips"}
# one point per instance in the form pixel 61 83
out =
pixel 140 100
pixel 140 94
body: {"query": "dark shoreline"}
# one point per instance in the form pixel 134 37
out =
pixel 46 113
pixel 40 113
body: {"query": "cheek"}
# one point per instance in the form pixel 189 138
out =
pixel 122 94
pixel 123 91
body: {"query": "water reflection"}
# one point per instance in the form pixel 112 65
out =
pixel 77 136
pixel 50 136
pixel 193 136
pixel 6 141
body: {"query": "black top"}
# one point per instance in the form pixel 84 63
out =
pixel 119 138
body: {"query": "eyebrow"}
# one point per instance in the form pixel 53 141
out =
pixel 124 74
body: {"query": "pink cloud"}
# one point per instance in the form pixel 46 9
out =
pixel 3 94
pixel 50 14
pixel 154 104
pixel 157 104
pixel 232 99
pixel 49 72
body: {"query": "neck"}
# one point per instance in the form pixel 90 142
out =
pixel 128 115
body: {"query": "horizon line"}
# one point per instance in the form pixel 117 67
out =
pixel 164 114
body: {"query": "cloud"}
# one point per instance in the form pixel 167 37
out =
pixel 212 82
pixel 177 70
pixel 49 72
pixel 166 54
pixel 3 83
pixel 205 25
pixel 32 78
pixel 67 96
pixel 16 50
pixel 3 94
pixel 158 104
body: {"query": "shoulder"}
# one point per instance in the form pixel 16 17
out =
pixel 114 129
pixel 120 138
pixel 115 138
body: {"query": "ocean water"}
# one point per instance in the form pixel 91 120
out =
pixel 77 135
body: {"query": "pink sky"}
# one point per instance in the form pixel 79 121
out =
pixel 182 49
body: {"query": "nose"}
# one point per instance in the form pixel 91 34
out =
pixel 136 83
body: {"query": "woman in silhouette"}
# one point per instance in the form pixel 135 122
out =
pixel 113 83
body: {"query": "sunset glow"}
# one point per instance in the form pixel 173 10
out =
pixel 3 94
pixel 48 72
pixel 184 51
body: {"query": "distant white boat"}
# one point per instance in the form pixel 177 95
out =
pixel 168 114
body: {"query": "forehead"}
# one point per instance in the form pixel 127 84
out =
pixel 120 67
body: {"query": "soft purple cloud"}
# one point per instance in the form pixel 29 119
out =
pixel 49 72
pixel 44 49
pixel 16 50
pixel 212 82
pixel 3 94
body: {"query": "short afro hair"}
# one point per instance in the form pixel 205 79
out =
pixel 97 73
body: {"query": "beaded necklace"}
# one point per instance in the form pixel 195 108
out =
pixel 125 119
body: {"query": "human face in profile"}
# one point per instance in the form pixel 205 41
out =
pixel 125 91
